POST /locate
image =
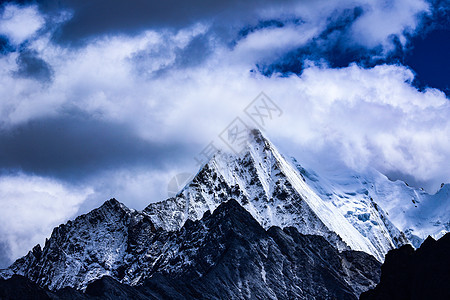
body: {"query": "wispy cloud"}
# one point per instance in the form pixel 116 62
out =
pixel 20 23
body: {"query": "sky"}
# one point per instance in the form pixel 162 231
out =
pixel 102 99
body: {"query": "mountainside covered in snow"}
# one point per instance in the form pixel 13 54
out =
pixel 226 254
pixel 411 210
pixel 274 190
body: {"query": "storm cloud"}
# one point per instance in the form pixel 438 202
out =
pixel 74 146
pixel 30 65
pixel 98 17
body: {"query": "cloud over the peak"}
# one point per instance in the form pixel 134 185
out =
pixel 139 92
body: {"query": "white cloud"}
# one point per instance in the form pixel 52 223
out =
pixel 384 19
pixel 371 116
pixel 31 207
pixel 379 22
pixel 20 23
pixel 270 42
pixel 136 187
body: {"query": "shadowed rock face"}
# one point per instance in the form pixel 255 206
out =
pixel 19 287
pixel 226 254
pixel 415 274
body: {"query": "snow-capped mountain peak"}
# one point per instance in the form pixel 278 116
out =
pixel 276 196
pixel 275 192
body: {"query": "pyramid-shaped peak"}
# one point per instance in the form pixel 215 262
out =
pixel 256 145
pixel 252 140
pixel 259 145
pixel 113 204
pixel 257 137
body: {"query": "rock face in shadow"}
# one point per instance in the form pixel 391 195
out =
pixel 19 287
pixel 415 274
pixel 224 255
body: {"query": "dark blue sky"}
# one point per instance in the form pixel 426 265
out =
pixel 427 52
pixel 429 57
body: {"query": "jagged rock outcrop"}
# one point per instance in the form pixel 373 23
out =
pixel 226 254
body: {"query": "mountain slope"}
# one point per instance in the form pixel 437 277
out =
pixel 413 211
pixel 226 254
pixel 274 191
pixel 87 248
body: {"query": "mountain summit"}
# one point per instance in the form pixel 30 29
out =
pixel 275 192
